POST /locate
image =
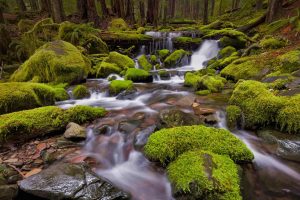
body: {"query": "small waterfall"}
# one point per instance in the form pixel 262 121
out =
pixel 162 40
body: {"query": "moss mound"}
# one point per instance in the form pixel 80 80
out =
pixel 80 92
pixel 138 75
pixel 23 125
pixel 186 42
pixel 118 24
pixel 227 51
pixel 175 58
pixel 163 53
pixel 105 69
pixel 61 94
pixel 144 63
pixel 58 62
pixel 205 175
pixel 289 62
pixel 213 83
pixel 22 96
pixel 117 86
pixel 262 108
pixel 233 116
pixel 272 43
pixel 167 144
pixel 122 61
pixel 82 35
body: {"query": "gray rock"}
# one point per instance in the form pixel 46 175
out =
pixel 70 181
pixel 75 132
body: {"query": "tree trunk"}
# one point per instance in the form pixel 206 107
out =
pixel 165 6
pixel 171 5
pixel 1 16
pixel 220 7
pixel 259 4
pixel 274 10
pixel 57 10
pixel 34 5
pixel 142 12
pixel 130 11
pixel 21 5
pixel 82 9
pixel 205 12
pixel 152 12
pixel 212 8
pixel 45 6
pixel 104 9
pixel 92 14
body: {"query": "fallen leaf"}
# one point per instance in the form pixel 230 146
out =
pixel 33 172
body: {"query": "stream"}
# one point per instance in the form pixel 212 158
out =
pixel 116 141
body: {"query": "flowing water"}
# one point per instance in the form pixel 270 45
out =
pixel 116 141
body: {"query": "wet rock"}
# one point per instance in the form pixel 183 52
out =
pixel 129 126
pixel 127 95
pixel 8 192
pixel 199 110
pixel 75 132
pixel 175 117
pixel 70 181
pixel 8 175
pixel 142 136
pixel 102 130
pixel 211 119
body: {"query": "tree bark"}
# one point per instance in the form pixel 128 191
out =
pixel 220 7
pixel 205 12
pixel 259 4
pixel 57 11
pixel 130 11
pixel 82 9
pixel 142 12
pixel 171 5
pixel 1 16
pixel 104 9
pixel 212 8
pixel 274 10
pixel 34 5
pixel 21 5
pixel 45 6
pixel 92 14
pixel 152 12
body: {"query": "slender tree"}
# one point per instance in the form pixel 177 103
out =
pixel 142 12
pixel 171 5
pixel 21 5
pixel 92 15
pixel 130 11
pixel 259 4
pixel 104 8
pixel 45 6
pixel 82 9
pixel 58 13
pixel 205 12
pixel 34 5
pixel 220 7
pixel 152 12
pixel 274 10
pixel 212 8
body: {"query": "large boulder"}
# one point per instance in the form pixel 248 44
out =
pixel 75 132
pixel 177 58
pixel 70 181
pixel 58 62
pixel 138 75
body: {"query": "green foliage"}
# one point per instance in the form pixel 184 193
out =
pixel 138 75
pixel 233 115
pixel 84 35
pixel 37 122
pixel 25 25
pixel 166 145
pixel 197 172
pixel 272 43
pixel 203 92
pixel 58 62
pixel 117 86
pixel 105 69
pixel 21 96
pixel 144 63
pixel 261 107
pixel 80 92
pixel 227 51
pixel 175 58
pixel 118 24
pixel 163 53
pixel 122 61
pixel 289 61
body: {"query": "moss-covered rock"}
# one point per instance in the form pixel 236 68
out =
pixel 138 75
pixel 167 144
pixel 289 62
pixel 21 96
pixel 261 107
pixel 58 62
pixel 203 92
pixel 194 176
pixel 118 24
pixel 272 43
pixel 23 125
pixel 61 94
pixel 80 92
pixel 25 25
pixel 105 69
pixel 144 63
pixel 233 116
pixel 238 43
pixel 213 83
pixel 153 59
pixel 175 58
pixel 163 53
pixel 82 35
pixel 122 61
pixel 227 51
pixel 117 86
pixel 187 42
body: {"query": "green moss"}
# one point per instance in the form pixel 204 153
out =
pixel 21 96
pixel 212 83
pixel 58 62
pixel 122 61
pixel 141 30
pixel 126 36
pixel 117 86
pixel 167 144
pixel 188 40
pixel 196 173
pixel 163 53
pixel 138 75
pixel 153 59
pixel 289 61
pixel 233 115
pixel 61 94
pixel 227 51
pixel 238 43
pixel 37 122
pixel 203 92
pixel 272 43
pixel 80 92
pixel 105 69
pixel 144 63
pixel 175 58
pixel 84 35
pixel 25 25
pixel 118 24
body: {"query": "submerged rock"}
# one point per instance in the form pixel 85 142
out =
pixel 70 181
pixel 75 132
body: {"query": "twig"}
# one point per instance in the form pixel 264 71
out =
pixel 17 170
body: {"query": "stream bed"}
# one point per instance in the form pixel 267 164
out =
pixel 116 141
